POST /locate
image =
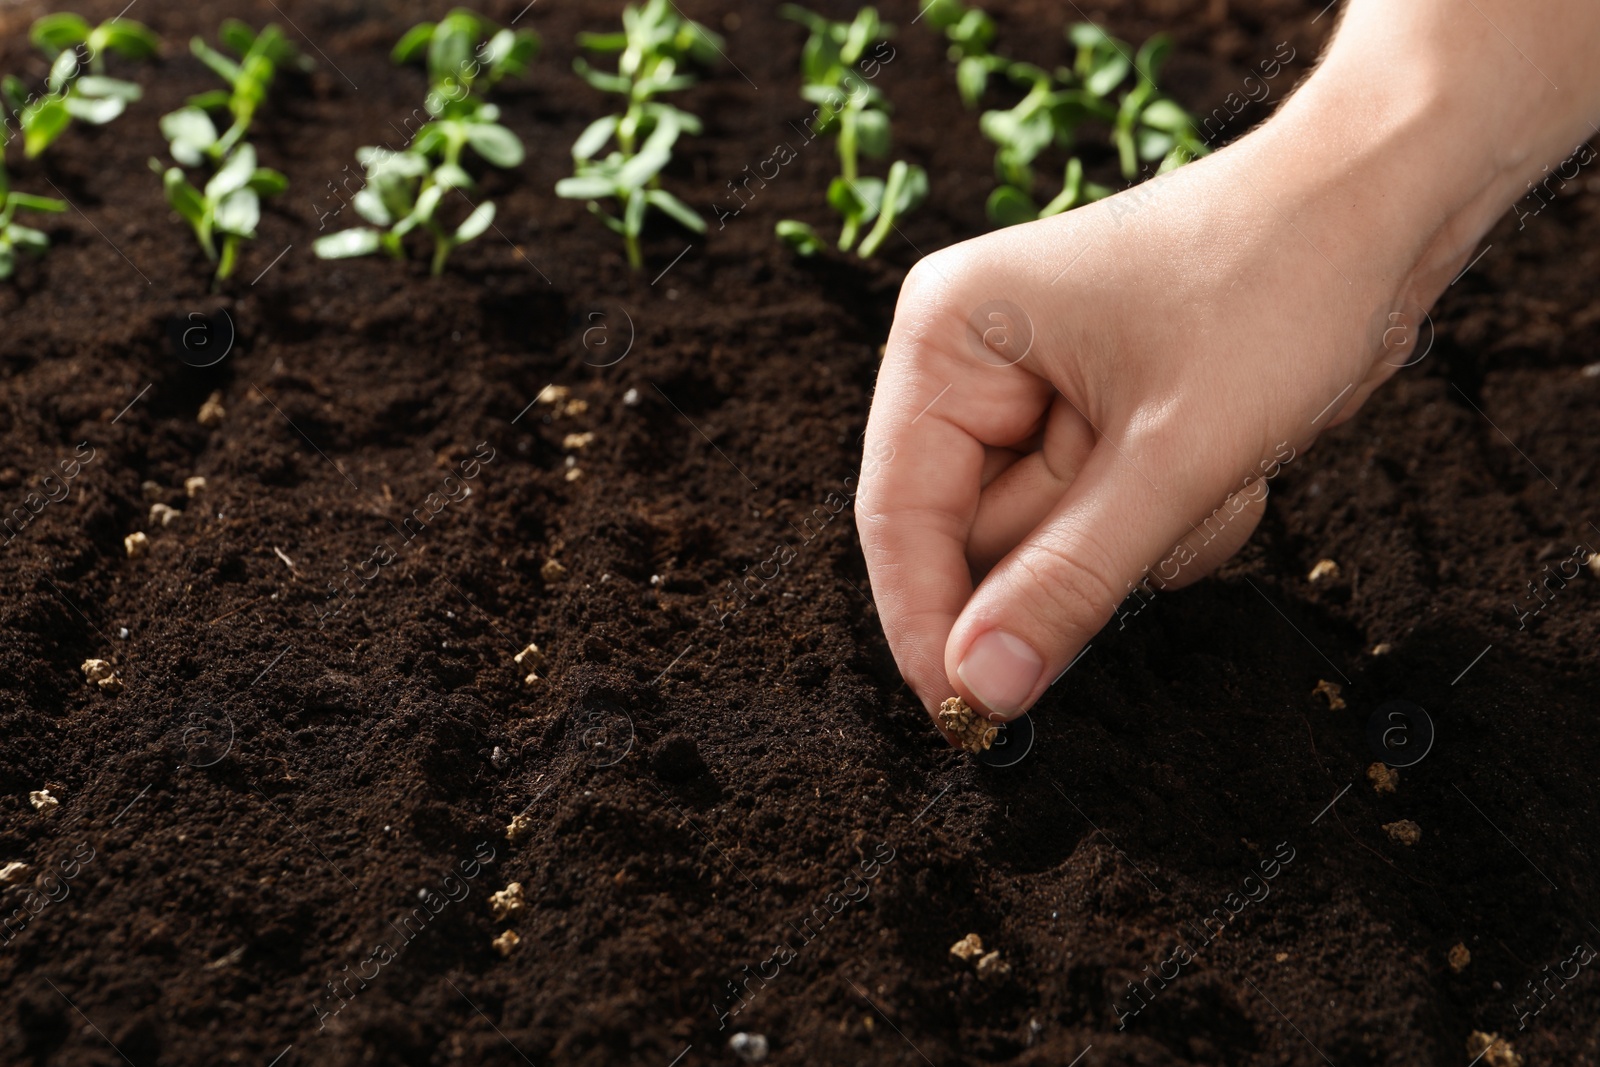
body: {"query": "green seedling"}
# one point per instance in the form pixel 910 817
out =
pixel 67 40
pixel 229 206
pixel 654 47
pixel 858 114
pixel 1145 126
pixel 466 56
pixel 970 32
pixel 74 91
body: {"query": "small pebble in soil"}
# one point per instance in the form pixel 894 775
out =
pixel 1325 568
pixel 519 827
pixel 676 758
pixel 992 969
pixel 162 515
pixel 193 487
pixel 751 1048
pixel 136 544
pixel 575 442
pixel 212 412
pixel 1383 777
pixel 552 571
pixel 42 801
pixel 13 872
pixel 1491 1050
pixel 507 942
pixel 1459 957
pixel 1382 649
pixel 971 731
pixel 102 674
pixel 1405 831
pixel 631 398
pixel 507 902
pixel 123 633
pixel 1331 691
pixel 967 949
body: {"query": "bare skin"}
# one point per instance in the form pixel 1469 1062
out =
pixel 1074 406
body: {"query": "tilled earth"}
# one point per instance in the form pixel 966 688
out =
pixel 280 838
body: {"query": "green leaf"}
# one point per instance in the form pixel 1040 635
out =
pixel 370 206
pixel 211 100
pixel 972 78
pixel 633 213
pixel 909 193
pixel 1153 144
pixel 606 83
pixel 1152 54
pixel 62 71
pixel 603 42
pixel 42 124
pixel 94 112
pixel 233 174
pixel 800 237
pixel 59 32
pixel 190 132
pixel 477 223
pixel 239 212
pixel 184 198
pixel 127 38
pixel 1108 74
pixel 14 92
pixel 644 166
pixel 450 176
pixel 595 136
pixel 268 182
pixel 410 47
pixel 1008 206
pixel 29 202
pixel 221 65
pixel 237 36
pixel 108 88
pixel 584 187
pixel 496 144
pixel 348 244
pixel 8 259
pixel 872 133
pixel 682 213
pixel 1165 115
pixel 27 237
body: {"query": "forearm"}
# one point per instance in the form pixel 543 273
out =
pixel 1425 121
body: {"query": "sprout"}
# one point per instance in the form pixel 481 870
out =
pixel 655 41
pixel 970 32
pixel 71 94
pixel 859 114
pixel 1145 125
pixel 464 54
pixel 229 206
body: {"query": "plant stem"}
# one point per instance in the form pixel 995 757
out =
pixel 635 259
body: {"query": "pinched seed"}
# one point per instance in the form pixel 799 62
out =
pixel 974 733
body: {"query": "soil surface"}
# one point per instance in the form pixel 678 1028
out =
pixel 279 841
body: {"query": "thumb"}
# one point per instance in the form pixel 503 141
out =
pixel 1041 604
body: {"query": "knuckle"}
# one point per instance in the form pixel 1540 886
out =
pixel 1073 584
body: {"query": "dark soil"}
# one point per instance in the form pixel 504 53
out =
pixel 284 798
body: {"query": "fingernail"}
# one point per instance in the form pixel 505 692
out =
pixel 1001 670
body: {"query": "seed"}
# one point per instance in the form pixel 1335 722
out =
pixel 212 412
pixel 574 474
pixel 574 442
pixel 993 970
pixel 519 827
pixel 1404 832
pixel 12 872
pixel 507 942
pixel 552 571
pixel 631 398
pixel 553 394
pixel 1382 649
pixel 751 1048
pixel 1459 957
pixel 974 733
pixel 42 801
pixel 507 902
pixel 101 673
pixel 193 487
pixel 1492 1049
pixel 967 949
pixel 1325 568
pixel 1331 691
pixel 1383 777
pixel 162 515
pixel 136 543
pixel 575 407
pixel 152 491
